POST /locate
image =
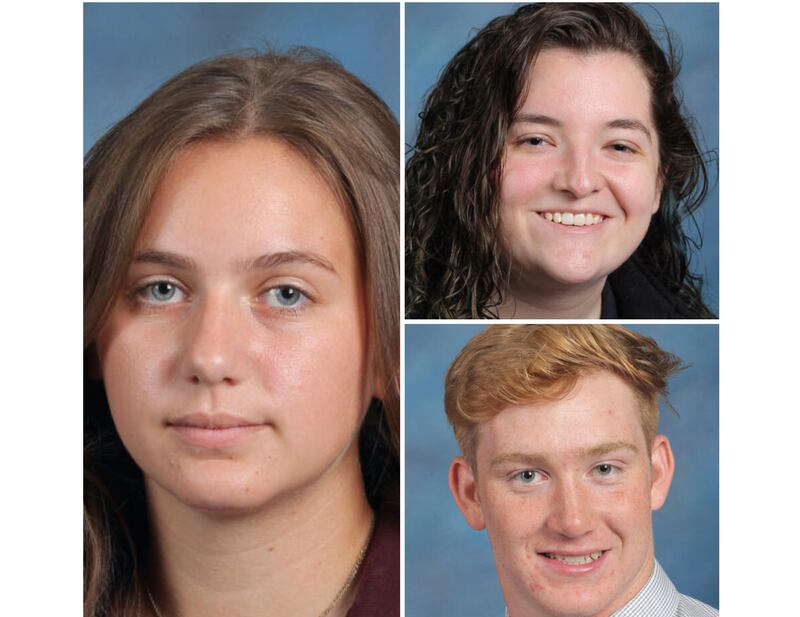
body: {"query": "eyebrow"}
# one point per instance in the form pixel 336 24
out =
pixel 165 258
pixel 536 119
pixel 272 260
pixel 263 262
pixel 538 460
pixel 631 124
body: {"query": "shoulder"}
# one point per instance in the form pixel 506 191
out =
pixel 640 295
pixel 659 598
pixel 689 607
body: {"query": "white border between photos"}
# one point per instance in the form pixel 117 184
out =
pixel 41 225
pixel 41 308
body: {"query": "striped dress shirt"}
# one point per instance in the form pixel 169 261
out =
pixel 659 598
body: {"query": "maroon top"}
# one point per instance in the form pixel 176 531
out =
pixel 379 588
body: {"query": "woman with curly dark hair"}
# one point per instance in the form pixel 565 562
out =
pixel 552 174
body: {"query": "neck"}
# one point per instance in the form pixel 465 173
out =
pixel 530 300
pixel 290 557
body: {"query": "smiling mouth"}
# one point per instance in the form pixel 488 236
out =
pixel 579 219
pixel 575 560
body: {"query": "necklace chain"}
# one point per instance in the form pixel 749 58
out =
pixel 342 591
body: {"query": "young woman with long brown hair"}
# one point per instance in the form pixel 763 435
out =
pixel 241 421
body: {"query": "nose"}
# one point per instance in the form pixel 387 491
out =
pixel 578 174
pixel 572 513
pixel 212 354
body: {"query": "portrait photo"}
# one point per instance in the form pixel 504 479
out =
pixel 241 324
pixel 542 508
pixel 561 161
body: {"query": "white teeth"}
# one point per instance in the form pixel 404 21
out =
pixel 577 560
pixel 574 219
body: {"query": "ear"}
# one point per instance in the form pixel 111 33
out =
pixel 464 488
pixel 662 469
pixel 379 387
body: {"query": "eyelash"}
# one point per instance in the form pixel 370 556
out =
pixel 272 294
pixel 527 141
pixel 625 148
pixel 614 470
pixel 518 476
pixel 541 141
pixel 142 294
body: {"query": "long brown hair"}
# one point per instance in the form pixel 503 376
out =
pixel 330 117
pixel 455 263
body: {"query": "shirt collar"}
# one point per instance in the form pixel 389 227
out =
pixel 658 598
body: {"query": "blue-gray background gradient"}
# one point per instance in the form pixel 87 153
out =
pixel 435 32
pixel 450 565
pixel 131 49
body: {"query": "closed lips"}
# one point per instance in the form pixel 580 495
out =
pixel 213 421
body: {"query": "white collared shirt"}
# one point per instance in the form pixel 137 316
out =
pixel 659 598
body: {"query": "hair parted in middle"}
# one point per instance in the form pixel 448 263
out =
pixel 456 266
pixel 311 103
pixel 507 365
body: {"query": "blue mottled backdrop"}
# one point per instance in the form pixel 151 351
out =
pixel 435 32
pixel 449 567
pixel 131 49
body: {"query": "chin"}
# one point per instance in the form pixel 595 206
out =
pixel 222 487
pixel 568 267
pixel 576 275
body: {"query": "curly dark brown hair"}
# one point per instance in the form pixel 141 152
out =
pixel 455 264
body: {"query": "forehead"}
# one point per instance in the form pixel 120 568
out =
pixel 235 198
pixel 571 84
pixel 600 409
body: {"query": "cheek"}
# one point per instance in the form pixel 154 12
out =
pixel 510 523
pixel 637 194
pixel 134 366
pixel 628 512
pixel 521 183
pixel 316 374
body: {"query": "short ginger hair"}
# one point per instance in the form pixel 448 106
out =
pixel 509 365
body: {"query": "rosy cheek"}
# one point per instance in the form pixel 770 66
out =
pixel 636 193
pixel 521 181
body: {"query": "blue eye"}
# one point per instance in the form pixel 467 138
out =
pixel 528 476
pixel 161 292
pixel 606 470
pixel 285 297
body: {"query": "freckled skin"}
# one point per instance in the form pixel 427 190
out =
pixel 569 506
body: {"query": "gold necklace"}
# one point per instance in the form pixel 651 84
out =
pixel 344 589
